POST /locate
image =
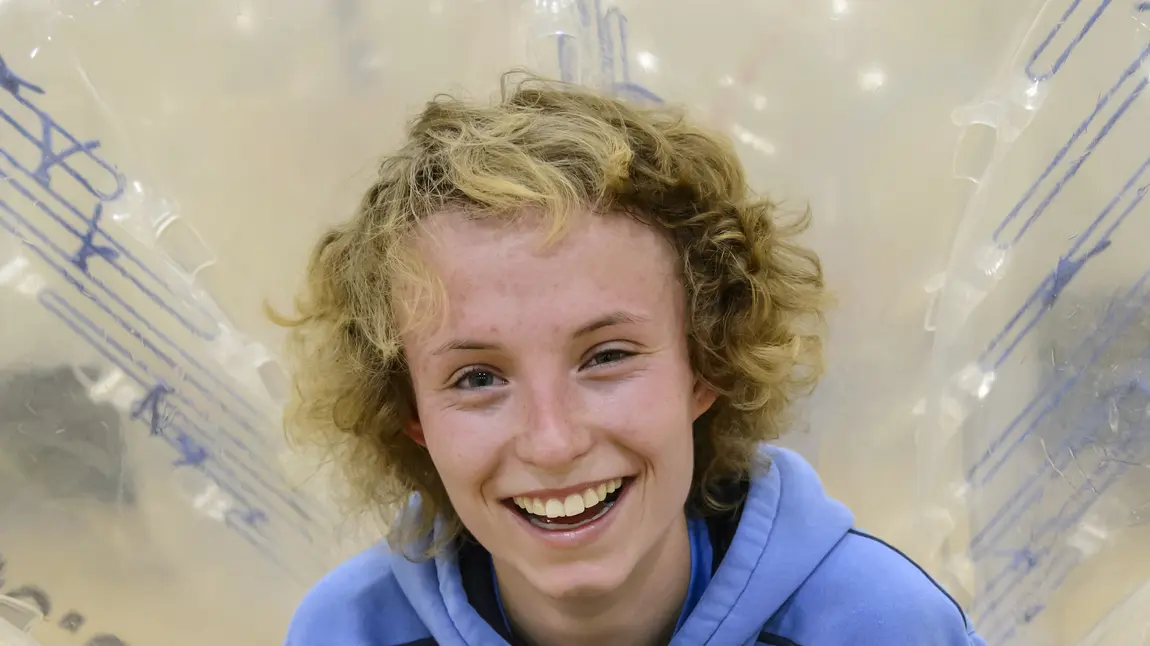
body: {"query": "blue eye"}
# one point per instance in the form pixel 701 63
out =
pixel 607 356
pixel 477 378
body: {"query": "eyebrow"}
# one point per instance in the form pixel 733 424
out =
pixel 614 318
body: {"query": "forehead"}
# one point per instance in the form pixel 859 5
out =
pixel 499 272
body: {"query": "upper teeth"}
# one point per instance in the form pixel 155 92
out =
pixel 572 505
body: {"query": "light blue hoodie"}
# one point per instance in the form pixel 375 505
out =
pixel 795 573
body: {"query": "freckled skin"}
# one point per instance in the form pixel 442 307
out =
pixel 530 403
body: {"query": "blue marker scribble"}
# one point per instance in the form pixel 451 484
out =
pixel 152 404
pixel 45 241
pixel 51 158
pixel 12 83
pixel 999 450
pixel 567 61
pixel 248 501
pixel 40 175
pixel 610 30
pixel 1068 268
pixel 607 41
pixel 1017 604
pixel 185 358
pixel 192 454
pixel 1023 568
pixel 1053 560
pixel 251 463
pixel 1047 289
pixel 1005 241
pixel 261 507
pixel 1069 265
pixel 1061 60
pixel 1024 544
pixel 91 231
pixel 1032 490
pixel 249 517
pixel 88 246
pixel 1027 557
pixel 174 419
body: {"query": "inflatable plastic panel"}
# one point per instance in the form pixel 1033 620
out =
pixel 1037 441
pixel 167 166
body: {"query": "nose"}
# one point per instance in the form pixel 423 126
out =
pixel 552 437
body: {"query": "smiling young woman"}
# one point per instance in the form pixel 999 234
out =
pixel 552 346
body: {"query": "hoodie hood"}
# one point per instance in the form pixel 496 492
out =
pixel 787 528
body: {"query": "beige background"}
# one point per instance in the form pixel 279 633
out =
pixel 243 128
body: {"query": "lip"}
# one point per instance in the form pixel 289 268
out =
pixel 560 494
pixel 582 536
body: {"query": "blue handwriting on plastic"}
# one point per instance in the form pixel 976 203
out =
pixel 609 26
pixel 1021 548
pixel 261 502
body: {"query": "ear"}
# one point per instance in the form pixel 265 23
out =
pixel 704 396
pixel 414 428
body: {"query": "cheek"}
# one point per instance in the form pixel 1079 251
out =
pixel 465 447
pixel 652 414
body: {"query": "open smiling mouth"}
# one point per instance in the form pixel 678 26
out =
pixel 572 512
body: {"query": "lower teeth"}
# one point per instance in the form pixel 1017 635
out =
pixel 554 526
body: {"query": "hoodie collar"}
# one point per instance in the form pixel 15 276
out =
pixel 788 526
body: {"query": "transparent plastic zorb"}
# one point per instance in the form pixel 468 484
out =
pixel 1037 448
pixel 142 495
pixel 166 166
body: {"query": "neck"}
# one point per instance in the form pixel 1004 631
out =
pixel 643 611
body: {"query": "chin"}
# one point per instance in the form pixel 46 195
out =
pixel 575 580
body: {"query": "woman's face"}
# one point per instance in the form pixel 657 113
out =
pixel 556 396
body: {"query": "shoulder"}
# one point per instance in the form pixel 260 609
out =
pixel 359 603
pixel 881 597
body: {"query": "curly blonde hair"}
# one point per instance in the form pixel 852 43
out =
pixel 755 296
